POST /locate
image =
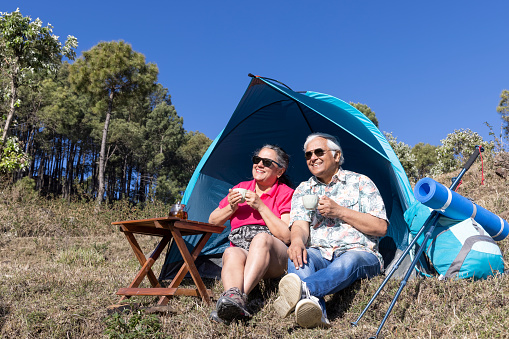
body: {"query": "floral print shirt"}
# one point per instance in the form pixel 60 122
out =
pixel 333 235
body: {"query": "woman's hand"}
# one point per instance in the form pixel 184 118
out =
pixel 220 215
pixel 253 200
pixel 234 198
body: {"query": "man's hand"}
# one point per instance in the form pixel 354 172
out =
pixel 364 222
pixel 328 207
pixel 298 254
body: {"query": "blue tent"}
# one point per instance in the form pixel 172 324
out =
pixel 271 113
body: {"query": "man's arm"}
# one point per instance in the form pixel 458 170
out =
pixel 364 222
pixel 297 249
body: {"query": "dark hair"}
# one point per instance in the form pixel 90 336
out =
pixel 283 158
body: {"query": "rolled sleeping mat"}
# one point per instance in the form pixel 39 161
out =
pixel 453 205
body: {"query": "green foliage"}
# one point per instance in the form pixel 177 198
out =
pixel 26 47
pixel 425 158
pixel 178 169
pixel 498 139
pixel 503 109
pixel 116 78
pixel 364 109
pixel 404 154
pixel 137 325
pixel 13 158
pixel 164 134
pixel 112 69
pixel 145 152
pixel 191 152
pixel 456 148
pixel 64 111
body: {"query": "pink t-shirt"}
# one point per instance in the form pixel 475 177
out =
pixel 278 199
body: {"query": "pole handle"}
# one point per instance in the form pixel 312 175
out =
pixel 475 154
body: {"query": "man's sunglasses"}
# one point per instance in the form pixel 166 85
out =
pixel 266 162
pixel 318 152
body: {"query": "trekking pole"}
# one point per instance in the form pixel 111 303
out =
pixel 431 220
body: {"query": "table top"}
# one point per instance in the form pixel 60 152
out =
pixel 165 223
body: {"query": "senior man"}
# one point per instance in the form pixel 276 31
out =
pixel 335 244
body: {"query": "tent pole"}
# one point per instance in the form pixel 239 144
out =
pixel 431 220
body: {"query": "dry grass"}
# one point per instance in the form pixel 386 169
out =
pixel 57 284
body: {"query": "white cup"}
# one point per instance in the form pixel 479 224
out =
pixel 242 192
pixel 310 201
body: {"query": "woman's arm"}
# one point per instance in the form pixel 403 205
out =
pixel 278 227
pixel 221 215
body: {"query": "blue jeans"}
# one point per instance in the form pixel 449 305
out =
pixel 323 277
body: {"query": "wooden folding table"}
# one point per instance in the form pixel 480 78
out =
pixel 167 228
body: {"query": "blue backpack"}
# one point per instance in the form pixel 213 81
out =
pixel 456 248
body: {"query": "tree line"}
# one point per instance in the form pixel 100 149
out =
pixel 103 128
pixel 99 128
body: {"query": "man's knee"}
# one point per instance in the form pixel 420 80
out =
pixel 361 264
pixel 303 272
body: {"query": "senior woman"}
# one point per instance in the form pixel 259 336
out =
pixel 259 231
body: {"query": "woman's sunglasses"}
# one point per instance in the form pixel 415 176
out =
pixel 318 152
pixel 266 162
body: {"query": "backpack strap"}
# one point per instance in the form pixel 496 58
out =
pixel 465 249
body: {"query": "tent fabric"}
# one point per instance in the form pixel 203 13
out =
pixel 269 113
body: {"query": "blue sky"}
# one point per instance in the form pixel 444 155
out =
pixel 426 68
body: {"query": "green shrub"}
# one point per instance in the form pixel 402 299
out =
pixel 12 158
pixel 456 148
pixel 404 154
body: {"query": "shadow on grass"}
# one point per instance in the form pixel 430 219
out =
pixel 262 293
pixel 4 311
pixel 340 302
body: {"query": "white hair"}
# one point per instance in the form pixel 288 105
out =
pixel 332 143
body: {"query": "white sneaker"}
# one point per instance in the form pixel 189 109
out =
pixel 309 313
pixel 290 292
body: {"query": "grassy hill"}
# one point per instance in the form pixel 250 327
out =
pixel 61 265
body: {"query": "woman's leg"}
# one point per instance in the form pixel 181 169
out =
pixel 232 302
pixel 267 258
pixel 232 273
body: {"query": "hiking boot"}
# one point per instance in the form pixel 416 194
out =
pixel 291 290
pixel 214 317
pixel 309 313
pixel 232 305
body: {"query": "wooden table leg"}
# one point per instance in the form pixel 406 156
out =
pixel 146 269
pixel 188 266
